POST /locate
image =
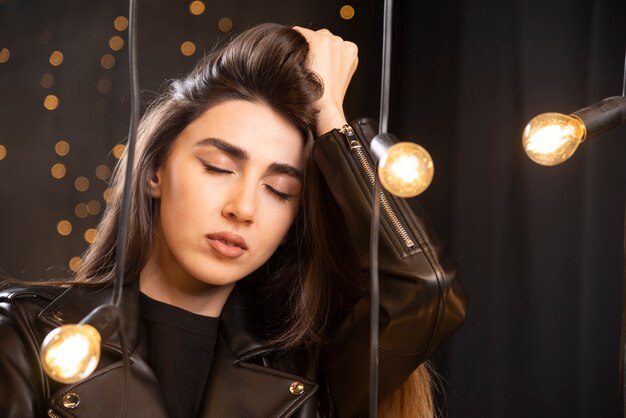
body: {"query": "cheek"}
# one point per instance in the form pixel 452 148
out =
pixel 278 223
pixel 182 202
pixel 176 195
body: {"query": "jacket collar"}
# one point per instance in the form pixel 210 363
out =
pixel 73 305
pixel 231 379
pixel 242 323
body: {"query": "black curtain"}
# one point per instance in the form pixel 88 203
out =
pixel 540 249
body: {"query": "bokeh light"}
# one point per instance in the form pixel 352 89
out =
pixel 120 23
pixel 93 207
pixel 81 210
pixel 107 194
pixel 56 58
pixel 64 228
pixel 118 150
pixel 188 48
pixel 225 24
pixel 103 172
pixel 104 85
pixel 81 184
pixel 90 235
pixel 58 171
pixel 5 54
pixel 107 61
pixel 196 7
pixel 116 43
pixel 62 148
pixel 75 263
pixel 47 80
pixel 346 12
pixel 51 102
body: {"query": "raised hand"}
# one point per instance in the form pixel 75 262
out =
pixel 334 61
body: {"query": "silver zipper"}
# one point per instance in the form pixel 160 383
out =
pixel 51 414
pixel 357 148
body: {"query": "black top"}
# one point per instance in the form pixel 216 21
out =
pixel 180 348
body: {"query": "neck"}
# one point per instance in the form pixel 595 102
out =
pixel 187 293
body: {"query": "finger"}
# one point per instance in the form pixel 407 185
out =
pixel 350 48
pixel 324 32
pixel 307 33
pixel 301 29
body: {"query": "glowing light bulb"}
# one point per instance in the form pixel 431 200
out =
pixel 551 138
pixel 71 353
pixel 406 169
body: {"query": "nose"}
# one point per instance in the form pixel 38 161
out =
pixel 240 205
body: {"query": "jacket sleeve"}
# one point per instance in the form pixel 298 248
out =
pixel 421 300
pixel 22 384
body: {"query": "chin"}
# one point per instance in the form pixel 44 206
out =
pixel 219 277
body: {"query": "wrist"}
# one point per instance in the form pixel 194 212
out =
pixel 328 120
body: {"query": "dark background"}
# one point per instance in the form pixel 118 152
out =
pixel 540 249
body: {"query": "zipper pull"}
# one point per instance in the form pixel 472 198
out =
pixel 353 142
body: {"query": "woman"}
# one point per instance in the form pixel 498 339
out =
pixel 247 257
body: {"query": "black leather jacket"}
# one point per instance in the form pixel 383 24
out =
pixel 422 304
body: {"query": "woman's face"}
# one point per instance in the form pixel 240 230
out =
pixel 228 191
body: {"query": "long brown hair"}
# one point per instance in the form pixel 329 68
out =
pixel 265 64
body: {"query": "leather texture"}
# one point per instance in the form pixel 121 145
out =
pixel 421 299
pixel 422 304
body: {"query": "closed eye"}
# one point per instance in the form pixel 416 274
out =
pixel 280 195
pixel 214 169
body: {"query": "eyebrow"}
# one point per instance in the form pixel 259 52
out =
pixel 230 149
pixel 242 155
pixel 280 168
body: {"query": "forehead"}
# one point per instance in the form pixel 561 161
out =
pixel 264 133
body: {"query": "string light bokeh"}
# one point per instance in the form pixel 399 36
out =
pixel 5 54
pixel 64 121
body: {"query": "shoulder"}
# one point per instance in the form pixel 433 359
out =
pixel 15 291
pixel 20 308
pixel 17 297
pixel 20 335
pixel 34 310
pixel 27 314
pixel 27 301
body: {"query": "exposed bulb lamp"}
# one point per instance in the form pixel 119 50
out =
pixel 71 352
pixel 552 138
pixel 405 169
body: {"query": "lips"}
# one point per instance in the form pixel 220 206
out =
pixel 228 244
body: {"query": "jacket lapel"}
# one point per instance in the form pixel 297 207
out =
pixel 101 394
pixel 244 389
pixel 242 383
pixel 79 300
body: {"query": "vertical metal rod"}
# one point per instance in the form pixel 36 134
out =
pixel 374 299
pixel 374 226
pixel 130 155
pixel 386 69
pixel 116 298
pixel 622 359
